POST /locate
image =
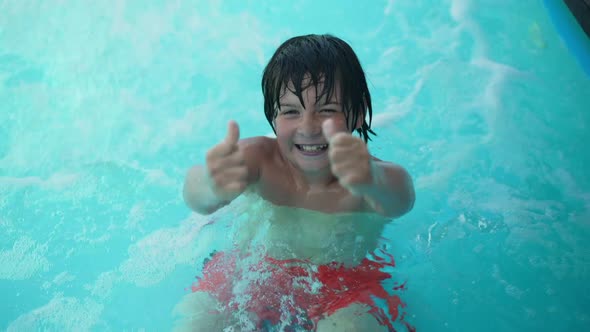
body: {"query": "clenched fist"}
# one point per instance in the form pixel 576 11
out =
pixel 226 166
pixel 350 160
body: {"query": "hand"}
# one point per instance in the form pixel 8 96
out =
pixel 228 173
pixel 350 160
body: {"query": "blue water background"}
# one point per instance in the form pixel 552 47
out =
pixel 104 105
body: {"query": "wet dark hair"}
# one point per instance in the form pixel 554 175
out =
pixel 324 58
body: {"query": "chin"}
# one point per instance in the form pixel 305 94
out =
pixel 315 166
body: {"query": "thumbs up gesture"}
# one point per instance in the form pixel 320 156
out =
pixel 350 160
pixel 226 166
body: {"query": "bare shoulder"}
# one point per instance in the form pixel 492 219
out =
pixel 388 165
pixel 398 179
pixel 258 146
pixel 257 151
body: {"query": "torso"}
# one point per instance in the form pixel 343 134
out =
pixel 298 233
pixel 326 226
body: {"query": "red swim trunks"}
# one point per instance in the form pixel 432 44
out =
pixel 298 291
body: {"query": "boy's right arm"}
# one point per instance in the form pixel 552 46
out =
pixel 227 173
pixel 197 192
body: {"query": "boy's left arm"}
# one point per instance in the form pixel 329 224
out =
pixel 390 191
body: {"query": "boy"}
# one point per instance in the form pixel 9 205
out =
pixel 315 97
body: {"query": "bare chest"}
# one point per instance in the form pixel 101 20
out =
pixel 280 190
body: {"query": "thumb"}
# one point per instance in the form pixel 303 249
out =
pixel 329 129
pixel 233 133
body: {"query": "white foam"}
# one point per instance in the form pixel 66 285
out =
pixel 490 99
pixel 509 288
pixel 63 278
pixel 136 216
pixel 8 181
pixel 388 7
pixel 491 95
pixel 390 51
pixel 60 314
pixel 447 166
pixel 430 228
pixel 56 181
pixel 396 111
pixel 159 177
pixel 25 259
pixel 459 9
pixel 186 127
pixel 152 258
pixel 103 285
pixel 58 280
pixel 82 236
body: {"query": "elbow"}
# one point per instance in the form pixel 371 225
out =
pixel 409 197
pixel 196 196
pixel 402 207
pixel 187 193
pixel 190 192
pixel 192 203
pixel 189 199
pixel 404 199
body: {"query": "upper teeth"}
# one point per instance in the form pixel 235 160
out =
pixel 313 147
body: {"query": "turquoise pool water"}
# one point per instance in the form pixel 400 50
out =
pixel 104 105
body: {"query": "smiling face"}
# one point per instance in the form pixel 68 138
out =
pixel 299 126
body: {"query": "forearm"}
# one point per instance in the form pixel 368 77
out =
pixel 391 192
pixel 197 192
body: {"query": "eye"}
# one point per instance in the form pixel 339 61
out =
pixel 289 112
pixel 328 110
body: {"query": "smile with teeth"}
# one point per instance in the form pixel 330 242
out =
pixel 312 148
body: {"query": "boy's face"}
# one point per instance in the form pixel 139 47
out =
pixel 299 130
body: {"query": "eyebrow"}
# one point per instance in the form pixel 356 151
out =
pixel 333 103
pixel 288 105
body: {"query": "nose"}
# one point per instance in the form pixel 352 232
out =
pixel 310 125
